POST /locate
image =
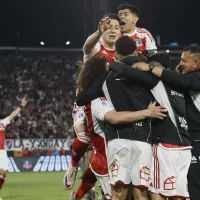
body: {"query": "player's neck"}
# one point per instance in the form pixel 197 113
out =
pixel 109 46
pixel 132 30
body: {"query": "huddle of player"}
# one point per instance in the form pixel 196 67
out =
pixel 118 105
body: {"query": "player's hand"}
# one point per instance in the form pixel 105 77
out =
pixel 23 102
pixel 103 25
pixel 179 68
pixel 141 66
pixel 157 111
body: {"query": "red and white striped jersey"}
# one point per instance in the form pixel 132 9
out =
pixel 144 40
pixel 95 112
pixel 100 50
pixel 3 124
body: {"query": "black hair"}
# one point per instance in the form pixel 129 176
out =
pixel 113 16
pixel 162 58
pixel 125 46
pixel 132 8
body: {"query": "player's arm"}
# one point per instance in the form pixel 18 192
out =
pixel 134 75
pixel 17 110
pixel 150 43
pixel 175 80
pixel 93 39
pixel 153 111
pixel 105 113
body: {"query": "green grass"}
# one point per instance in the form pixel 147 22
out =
pixel 36 186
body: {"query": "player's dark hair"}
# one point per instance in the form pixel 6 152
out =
pixel 92 69
pixel 125 46
pixel 113 16
pixel 132 8
pixel 162 58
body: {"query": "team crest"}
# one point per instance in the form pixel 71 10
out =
pixel 138 42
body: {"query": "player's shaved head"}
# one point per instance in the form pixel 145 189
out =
pixel 162 58
pixel 125 46
pixel 194 52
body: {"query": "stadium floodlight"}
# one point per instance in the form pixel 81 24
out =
pixel 68 42
pixel 42 43
pixel 167 51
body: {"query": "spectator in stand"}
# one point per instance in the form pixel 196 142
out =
pixel 49 84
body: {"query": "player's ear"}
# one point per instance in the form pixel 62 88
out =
pixel 116 56
pixel 136 18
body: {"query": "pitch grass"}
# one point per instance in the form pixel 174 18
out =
pixel 36 186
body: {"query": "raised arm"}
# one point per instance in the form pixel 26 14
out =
pixel 134 75
pixel 17 110
pixel 187 81
pixel 93 39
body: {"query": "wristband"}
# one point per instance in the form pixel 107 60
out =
pixel 151 67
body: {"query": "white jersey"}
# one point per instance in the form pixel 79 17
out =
pixel 99 108
pixel 144 40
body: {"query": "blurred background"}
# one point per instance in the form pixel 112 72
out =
pixel 41 40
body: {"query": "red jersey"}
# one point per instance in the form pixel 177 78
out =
pixel 144 40
pixel 100 50
pixel 3 124
pixel 98 160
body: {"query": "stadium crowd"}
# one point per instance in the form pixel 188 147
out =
pixel 48 83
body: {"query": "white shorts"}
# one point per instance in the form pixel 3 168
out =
pixel 3 160
pixel 105 186
pixel 169 171
pixel 78 116
pixel 129 161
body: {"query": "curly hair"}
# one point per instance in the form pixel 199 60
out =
pixel 92 69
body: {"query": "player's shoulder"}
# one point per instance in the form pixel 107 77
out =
pixel 99 102
pixel 142 30
pixel 144 33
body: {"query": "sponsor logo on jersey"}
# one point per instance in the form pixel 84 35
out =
pixel 183 123
pixel 174 93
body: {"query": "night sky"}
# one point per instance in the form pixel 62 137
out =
pixel 27 22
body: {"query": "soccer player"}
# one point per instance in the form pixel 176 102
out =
pixel 170 137
pixel 97 112
pixel 3 154
pixel 129 15
pixel 102 42
pixel 189 83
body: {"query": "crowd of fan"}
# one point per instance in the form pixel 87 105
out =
pixel 48 83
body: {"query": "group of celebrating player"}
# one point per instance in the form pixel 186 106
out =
pixel 134 112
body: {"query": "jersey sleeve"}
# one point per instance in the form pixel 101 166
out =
pixel 5 121
pixel 150 42
pixel 95 51
pixel 99 108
